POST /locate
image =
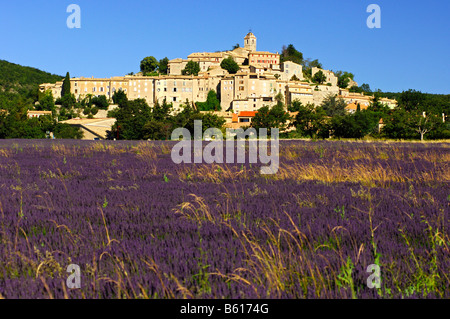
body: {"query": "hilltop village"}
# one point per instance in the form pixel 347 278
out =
pixel 260 78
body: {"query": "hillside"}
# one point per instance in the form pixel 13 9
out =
pixel 16 75
pixel 21 83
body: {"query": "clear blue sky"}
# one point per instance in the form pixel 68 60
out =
pixel 411 50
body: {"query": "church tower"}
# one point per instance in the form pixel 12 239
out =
pixel 250 42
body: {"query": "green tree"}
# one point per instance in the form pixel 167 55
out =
pixel 289 53
pixel 163 65
pixel 397 125
pixel 271 117
pixel 344 78
pixel 192 68
pixel 100 101
pixel 356 125
pixel 366 88
pixel 46 102
pixel 319 77
pixel 295 106
pixel 209 120
pixel 130 120
pixel 157 130
pixel 66 131
pixel 162 111
pixel 149 65
pixel 411 100
pixel 120 98
pixel 230 65
pixel 424 123
pixel 212 103
pixel 332 105
pixel 311 121
pixel 68 101
pixel 66 86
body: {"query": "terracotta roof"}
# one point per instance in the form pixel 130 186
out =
pixel 247 114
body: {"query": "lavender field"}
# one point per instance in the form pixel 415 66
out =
pixel 140 226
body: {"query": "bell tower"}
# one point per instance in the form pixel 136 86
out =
pixel 250 42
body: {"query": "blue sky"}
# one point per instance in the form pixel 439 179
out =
pixel 410 51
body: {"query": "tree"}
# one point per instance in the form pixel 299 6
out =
pixel 66 86
pixel 161 111
pixel 230 65
pixel 333 106
pixel 289 53
pixel 319 77
pixel 280 99
pixel 68 101
pixel 120 98
pixel 236 46
pixel 397 125
pixel 295 78
pixel 424 123
pixel 131 118
pixel 271 117
pixel 356 125
pixel 366 88
pixel 212 103
pixel 209 120
pixel 344 78
pixel 310 121
pixel 295 106
pixel 157 130
pixel 46 102
pixel 192 68
pixel 66 131
pixel 163 65
pixel 411 100
pixel 100 101
pixel 149 65
pixel 315 64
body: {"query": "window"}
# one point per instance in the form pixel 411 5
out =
pixel 174 99
pixel 174 89
pixel 94 89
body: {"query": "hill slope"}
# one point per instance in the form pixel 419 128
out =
pixel 21 83
pixel 16 75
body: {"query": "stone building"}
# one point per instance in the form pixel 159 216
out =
pixel 258 82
